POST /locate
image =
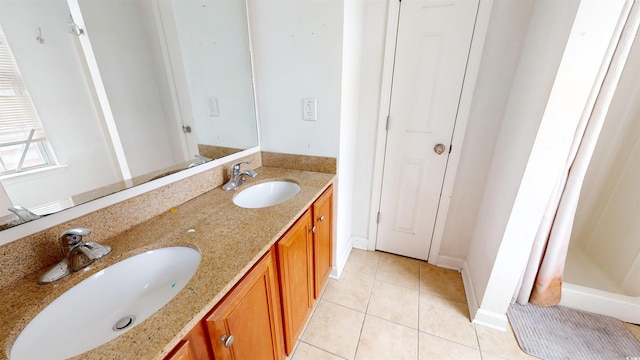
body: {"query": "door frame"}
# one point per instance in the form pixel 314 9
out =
pixel 459 129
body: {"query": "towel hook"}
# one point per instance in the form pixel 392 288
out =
pixel 40 39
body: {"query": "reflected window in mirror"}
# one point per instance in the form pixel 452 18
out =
pixel 23 141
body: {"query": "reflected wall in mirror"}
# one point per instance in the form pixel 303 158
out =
pixel 126 91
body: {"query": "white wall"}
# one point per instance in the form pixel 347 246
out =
pixel 58 87
pixel 352 59
pixel 501 54
pixel 530 89
pixel 297 49
pixel 615 244
pixel 298 53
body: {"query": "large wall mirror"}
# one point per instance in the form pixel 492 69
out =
pixel 125 91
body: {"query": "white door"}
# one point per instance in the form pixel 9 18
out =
pixel 433 42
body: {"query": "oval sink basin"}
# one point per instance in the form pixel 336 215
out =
pixel 107 304
pixel 266 194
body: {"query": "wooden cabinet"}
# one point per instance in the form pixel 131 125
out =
pixel 295 270
pixel 246 324
pixel 181 352
pixel 263 315
pixel 322 211
pixel 194 346
pixel 304 263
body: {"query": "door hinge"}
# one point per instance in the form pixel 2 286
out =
pixel 378 218
pixel 450 148
pixel 388 120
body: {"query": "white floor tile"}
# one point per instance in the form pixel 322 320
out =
pixel 434 347
pixel 305 351
pixel 394 303
pixel 413 311
pixel 446 318
pixel 335 329
pixel 383 340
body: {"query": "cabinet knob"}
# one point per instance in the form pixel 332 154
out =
pixel 321 218
pixel 313 229
pixel 227 341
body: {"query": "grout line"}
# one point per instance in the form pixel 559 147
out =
pixel 419 297
pixel 321 349
pixel 367 307
pixel 375 274
pixel 395 323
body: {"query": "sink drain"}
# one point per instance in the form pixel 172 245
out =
pixel 124 323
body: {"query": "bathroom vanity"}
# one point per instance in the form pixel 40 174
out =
pixel 273 300
pixel 260 269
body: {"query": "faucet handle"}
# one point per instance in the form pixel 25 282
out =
pixel 203 158
pixel 235 168
pixel 72 237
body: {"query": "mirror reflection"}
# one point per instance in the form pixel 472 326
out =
pixel 97 96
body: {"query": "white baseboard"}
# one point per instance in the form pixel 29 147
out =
pixel 451 263
pixel 341 260
pixel 480 316
pixel 491 320
pixel 469 291
pixel 360 243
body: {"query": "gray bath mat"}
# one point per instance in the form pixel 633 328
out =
pixel 558 332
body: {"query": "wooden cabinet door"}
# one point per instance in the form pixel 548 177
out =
pixel 322 239
pixel 194 346
pixel 251 314
pixel 295 265
pixel 182 352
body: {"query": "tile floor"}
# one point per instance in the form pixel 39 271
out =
pixel 390 307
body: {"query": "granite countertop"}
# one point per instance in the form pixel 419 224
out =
pixel 231 239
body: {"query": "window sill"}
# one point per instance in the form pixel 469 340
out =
pixel 11 179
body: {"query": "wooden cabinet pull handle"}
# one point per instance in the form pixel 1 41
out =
pixel 227 341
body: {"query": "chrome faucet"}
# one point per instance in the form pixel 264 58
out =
pixel 23 214
pixel 76 252
pixel 199 160
pixel 237 176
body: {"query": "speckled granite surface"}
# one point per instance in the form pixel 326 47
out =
pixel 298 162
pixel 40 251
pixel 231 240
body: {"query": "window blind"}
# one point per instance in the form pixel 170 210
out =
pixel 18 116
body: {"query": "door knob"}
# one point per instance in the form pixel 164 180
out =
pixel 439 149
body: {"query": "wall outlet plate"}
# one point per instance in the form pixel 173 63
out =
pixel 212 106
pixel 309 112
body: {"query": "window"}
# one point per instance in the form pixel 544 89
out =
pixel 23 142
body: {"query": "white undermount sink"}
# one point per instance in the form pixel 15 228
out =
pixel 106 304
pixel 266 194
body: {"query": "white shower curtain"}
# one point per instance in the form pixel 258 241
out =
pixel 541 283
